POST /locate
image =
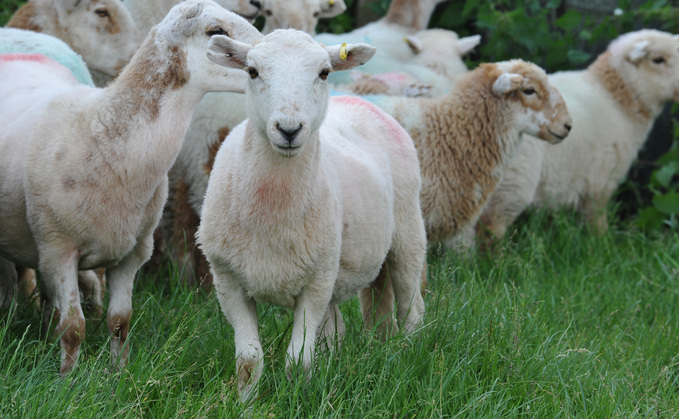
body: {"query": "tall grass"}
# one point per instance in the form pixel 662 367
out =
pixel 559 323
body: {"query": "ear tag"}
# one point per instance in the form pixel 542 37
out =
pixel 343 52
pixel 331 3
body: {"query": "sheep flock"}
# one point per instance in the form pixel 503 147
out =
pixel 284 166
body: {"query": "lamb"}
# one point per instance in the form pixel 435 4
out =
pixel 93 194
pixel 300 14
pixel 614 103
pixel 466 139
pixel 101 31
pixel 302 212
pixel 147 13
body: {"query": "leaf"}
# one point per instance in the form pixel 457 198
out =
pixel 668 203
pixel 570 21
pixel 664 175
pixel 650 218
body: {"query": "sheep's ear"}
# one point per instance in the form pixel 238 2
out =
pixel 506 83
pixel 639 50
pixel 348 56
pixel 67 5
pixel 332 8
pixel 414 43
pixel 227 52
pixel 468 43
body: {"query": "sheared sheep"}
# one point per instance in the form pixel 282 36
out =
pixel 101 31
pixel 302 208
pixel 93 194
pixel 614 103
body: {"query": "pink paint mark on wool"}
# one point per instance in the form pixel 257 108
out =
pixel 394 128
pixel 391 77
pixel 271 197
pixel 21 56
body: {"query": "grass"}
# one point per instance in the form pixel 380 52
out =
pixel 561 323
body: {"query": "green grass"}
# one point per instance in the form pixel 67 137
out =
pixel 562 323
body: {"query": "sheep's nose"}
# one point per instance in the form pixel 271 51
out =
pixel 568 127
pixel 288 134
pixel 256 3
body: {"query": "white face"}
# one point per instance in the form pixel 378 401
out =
pixel 190 26
pixel 540 110
pixel 287 93
pixel 102 31
pixel 651 65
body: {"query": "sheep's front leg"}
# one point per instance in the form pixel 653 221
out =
pixel 8 283
pixel 310 308
pixel 241 312
pixel 59 268
pixel 377 304
pixel 331 331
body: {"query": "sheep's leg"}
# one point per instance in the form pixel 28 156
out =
pixel 310 308
pixel 92 285
pixel 405 260
pixel 8 283
pixel 331 331
pixel 377 304
pixel 594 210
pixel 27 286
pixel 241 312
pixel 59 268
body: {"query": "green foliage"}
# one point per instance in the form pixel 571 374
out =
pixel 7 9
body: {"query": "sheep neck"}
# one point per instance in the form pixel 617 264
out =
pixel 142 117
pixel 280 187
pixel 463 152
pixel 610 78
pixel 411 14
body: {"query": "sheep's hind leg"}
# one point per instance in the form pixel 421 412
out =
pixel 241 312
pixel 377 304
pixel 332 329
pixel 8 283
pixel 59 269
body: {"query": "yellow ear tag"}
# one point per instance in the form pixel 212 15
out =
pixel 343 52
pixel 331 3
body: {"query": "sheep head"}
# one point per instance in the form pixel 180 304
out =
pixel 441 50
pixel 300 14
pixel 540 110
pixel 287 94
pixel 248 9
pixel 184 35
pixel 648 63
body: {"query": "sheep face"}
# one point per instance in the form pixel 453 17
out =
pixel 189 27
pixel 648 62
pixel 300 14
pixel 287 94
pixel 441 50
pixel 540 109
pixel 102 31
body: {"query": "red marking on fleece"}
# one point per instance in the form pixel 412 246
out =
pixel 395 130
pixel 391 77
pixel 22 56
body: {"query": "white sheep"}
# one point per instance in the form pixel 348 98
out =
pixel 466 138
pixel 299 14
pixel 101 31
pixel 614 103
pixel 147 13
pixel 302 208
pixel 92 195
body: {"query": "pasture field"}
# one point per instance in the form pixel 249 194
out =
pixel 561 323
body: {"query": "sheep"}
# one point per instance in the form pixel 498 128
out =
pixel 93 194
pixel 101 31
pixel 466 139
pixel 301 211
pixel 614 103
pixel 300 14
pixel 147 13
pixel 20 40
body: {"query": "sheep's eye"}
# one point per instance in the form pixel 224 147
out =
pixel 102 13
pixel 317 14
pixel 217 31
pixel 268 12
pixel 324 74
pixel 659 60
pixel 253 73
pixel 529 91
